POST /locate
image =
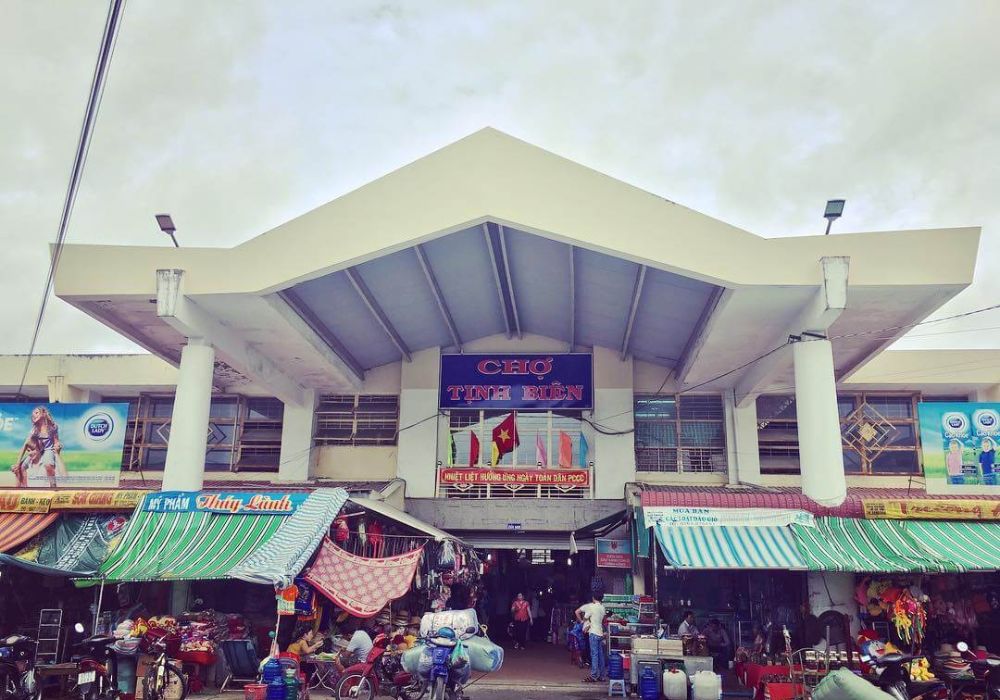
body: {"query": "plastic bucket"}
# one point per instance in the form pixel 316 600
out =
pixel 254 691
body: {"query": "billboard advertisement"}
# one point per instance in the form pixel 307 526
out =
pixel 517 382
pixel 958 442
pixel 73 445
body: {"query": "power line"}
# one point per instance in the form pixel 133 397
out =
pixel 105 52
pixel 914 325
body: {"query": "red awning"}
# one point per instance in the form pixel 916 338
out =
pixel 18 528
pixel 775 497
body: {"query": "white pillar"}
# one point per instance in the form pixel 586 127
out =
pixel 614 403
pixel 297 429
pixel 821 458
pixel 417 445
pixel 741 441
pixel 57 385
pixel 185 467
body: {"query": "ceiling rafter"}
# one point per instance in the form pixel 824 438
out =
pixel 322 332
pixel 366 296
pixel 432 282
pixel 496 277
pixel 572 297
pixel 640 278
pixel 510 282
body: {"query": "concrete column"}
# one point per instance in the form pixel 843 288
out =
pixel 416 448
pixel 833 590
pixel 57 386
pixel 185 467
pixel 613 455
pixel 821 457
pixel 743 452
pixel 297 429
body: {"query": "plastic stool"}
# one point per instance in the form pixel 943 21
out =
pixel 616 685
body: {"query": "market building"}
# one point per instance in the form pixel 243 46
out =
pixel 532 356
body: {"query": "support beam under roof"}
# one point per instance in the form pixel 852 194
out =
pixel 572 297
pixel 298 314
pixel 510 282
pixel 366 296
pixel 432 282
pixel 496 278
pixel 715 302
pixel 640 278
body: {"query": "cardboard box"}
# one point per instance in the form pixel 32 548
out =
pixel 142 665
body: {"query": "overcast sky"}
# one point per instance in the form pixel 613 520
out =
pixel 236 116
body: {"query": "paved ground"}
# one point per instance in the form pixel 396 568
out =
pixel 536 693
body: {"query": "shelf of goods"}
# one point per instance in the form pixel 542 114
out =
pixel 628 616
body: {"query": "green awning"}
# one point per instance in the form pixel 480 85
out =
pixel 971 546
pixel 75 545
pixel 847 544
pixel 199 544
pixel 728 547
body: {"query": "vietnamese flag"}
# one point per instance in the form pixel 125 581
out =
pixel 473 449
pixel 504 438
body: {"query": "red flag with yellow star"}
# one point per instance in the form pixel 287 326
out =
pixel 504 438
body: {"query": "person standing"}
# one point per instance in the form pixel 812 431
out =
pixel 520 611
pixel 687 628
pixel 592 616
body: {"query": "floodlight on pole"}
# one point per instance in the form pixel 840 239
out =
pixel 834 210
pixel 166 225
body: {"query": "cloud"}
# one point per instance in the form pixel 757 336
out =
pixel 237 118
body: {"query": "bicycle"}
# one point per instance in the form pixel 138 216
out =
pixel 161 674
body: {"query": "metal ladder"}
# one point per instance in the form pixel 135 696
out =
pixel 49 633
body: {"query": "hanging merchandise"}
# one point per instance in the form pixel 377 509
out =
pixel 446 556
pixel 341 532
pixel 305 602
pixel 286 600
pixel 362 532
pixel 909 617
pixel 376 538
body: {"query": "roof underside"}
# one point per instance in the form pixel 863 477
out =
pixel 494 280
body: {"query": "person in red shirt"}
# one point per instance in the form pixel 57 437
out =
pixel 520 610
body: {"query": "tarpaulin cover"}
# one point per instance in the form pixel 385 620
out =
pixel 728 547
pixel 76 545
pixel 18 528
pixel 360 585
pixel 874 546
pixel 199 545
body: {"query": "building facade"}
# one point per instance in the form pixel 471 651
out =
pixel 717 358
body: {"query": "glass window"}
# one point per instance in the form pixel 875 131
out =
pixel 895 462
pixel 162 407
pixel 367 419
pixel 892 406
pixel 224 408
pixel 265 409
pixel 656 408
pixel 845 405
pixel 551 429
pixel 852 462
pixel 775 408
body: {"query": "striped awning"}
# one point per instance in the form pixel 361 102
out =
pixel 971 546
pixel 848 544
pixel 197 545
pixel 729 547
pixel 75 545
pixel 18 528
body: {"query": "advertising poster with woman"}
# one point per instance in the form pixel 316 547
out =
pixel 73 445
pixel 959 443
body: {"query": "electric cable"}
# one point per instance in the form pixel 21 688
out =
pixel 105 52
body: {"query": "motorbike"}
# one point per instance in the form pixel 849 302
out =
pixel 894 679
pixel 381 670
pixel 987 669
pixel 17 673
pixel 97 675
pixel 447 673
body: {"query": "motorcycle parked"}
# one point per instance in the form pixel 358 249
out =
pixel 381 670
pixel 17 673
pixel 987 669
pixel 448 671
pixel 894 679
pixel 97 675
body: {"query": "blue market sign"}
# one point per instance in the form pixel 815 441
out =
pixel 233 503
pixel 517 382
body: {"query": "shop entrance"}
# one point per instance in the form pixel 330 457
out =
pixel 555 583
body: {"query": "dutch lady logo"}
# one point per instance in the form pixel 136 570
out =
pixel 99 427
pixel 955 424
pixel 987 422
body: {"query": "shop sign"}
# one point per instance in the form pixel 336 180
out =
pixel 518 477
pixel 930 509
pixel 125 499
pixel 681 516
pixel 232 503
pixel 25 501
pixel 958 445
pixel 613 554
pixel 517 382
pixel 63 444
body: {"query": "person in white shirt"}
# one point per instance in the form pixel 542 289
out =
pixel 592 616
pixel 687 626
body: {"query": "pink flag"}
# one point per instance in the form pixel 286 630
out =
pixel 541 455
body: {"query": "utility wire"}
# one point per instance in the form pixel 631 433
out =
pixel 106 50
